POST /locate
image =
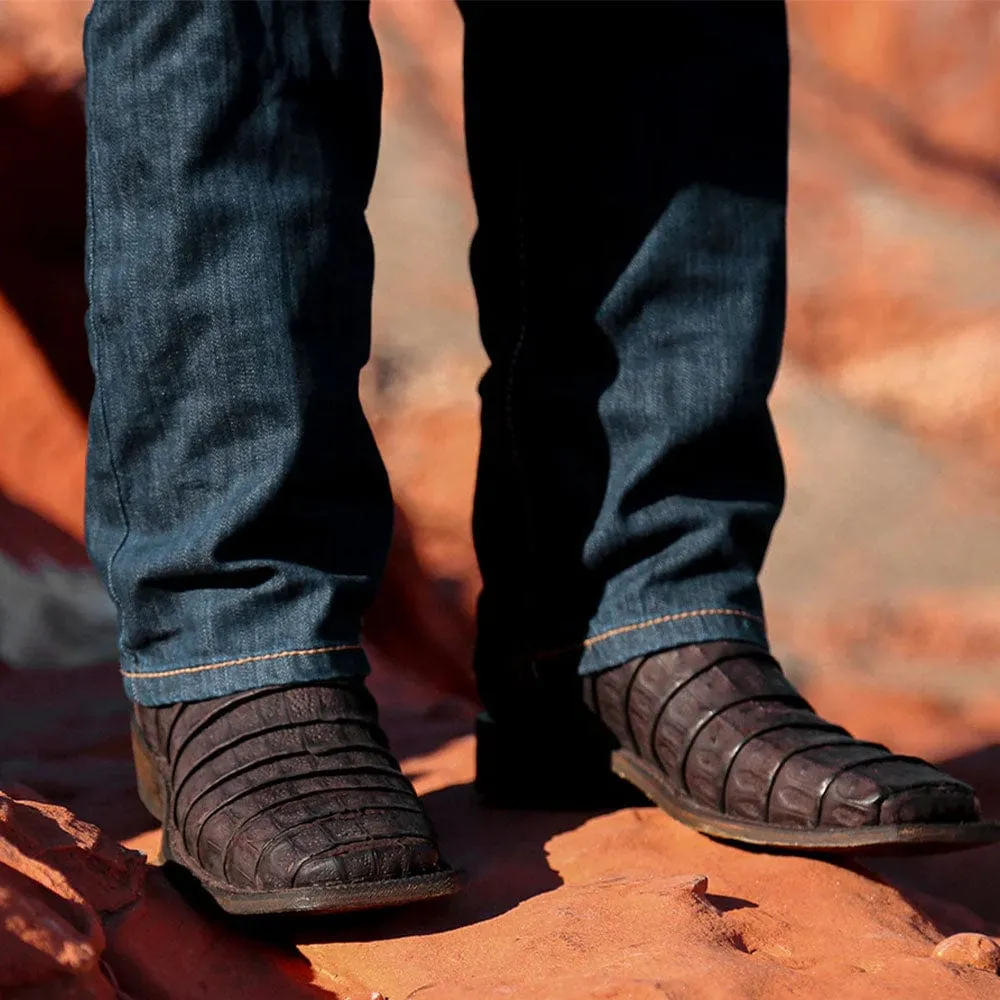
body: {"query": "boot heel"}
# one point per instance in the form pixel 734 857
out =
pixel 548 768
pixel 147 776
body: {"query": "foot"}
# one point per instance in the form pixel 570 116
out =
pixel 718 736
pixel 287 799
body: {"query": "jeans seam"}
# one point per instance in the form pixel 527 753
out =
pixel 261 658
pixel 648 623
pixel 99 395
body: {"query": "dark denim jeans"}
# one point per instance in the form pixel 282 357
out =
pixel 629 168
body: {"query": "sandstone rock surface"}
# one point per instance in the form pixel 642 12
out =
pixel 58 877
pixel 974 951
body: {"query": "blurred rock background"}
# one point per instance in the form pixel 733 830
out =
pixel 884 570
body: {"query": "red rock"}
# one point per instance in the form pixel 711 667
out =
pixel 57 876
pixel 414 625
pixel 976 951
pixel 697 885
pixel 895 212
pixel 74 859
pixel 82 918
pixel 37 941
pixel 163 947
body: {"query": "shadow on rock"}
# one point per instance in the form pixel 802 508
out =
pixel 501 853
pixel 65 734
pixel 960 887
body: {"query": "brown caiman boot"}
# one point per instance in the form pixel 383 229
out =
pixel 717 736
pixel 287 799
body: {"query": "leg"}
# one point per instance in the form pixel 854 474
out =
pixel 630 168
pixel 237 506
pixel 629 265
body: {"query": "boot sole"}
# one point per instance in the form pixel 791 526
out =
pixel 909 838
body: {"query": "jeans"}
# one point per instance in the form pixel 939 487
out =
pixel 629 164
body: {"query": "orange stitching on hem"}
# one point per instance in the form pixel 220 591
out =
pixel 611 633
pixel 142 674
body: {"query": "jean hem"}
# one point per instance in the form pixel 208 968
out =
pixel 613 646
pixel 166 685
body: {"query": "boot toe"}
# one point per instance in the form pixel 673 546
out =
pixel 947 802
pixel 372 863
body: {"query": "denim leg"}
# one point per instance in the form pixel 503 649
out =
pixel 629 167
pixel 237 506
